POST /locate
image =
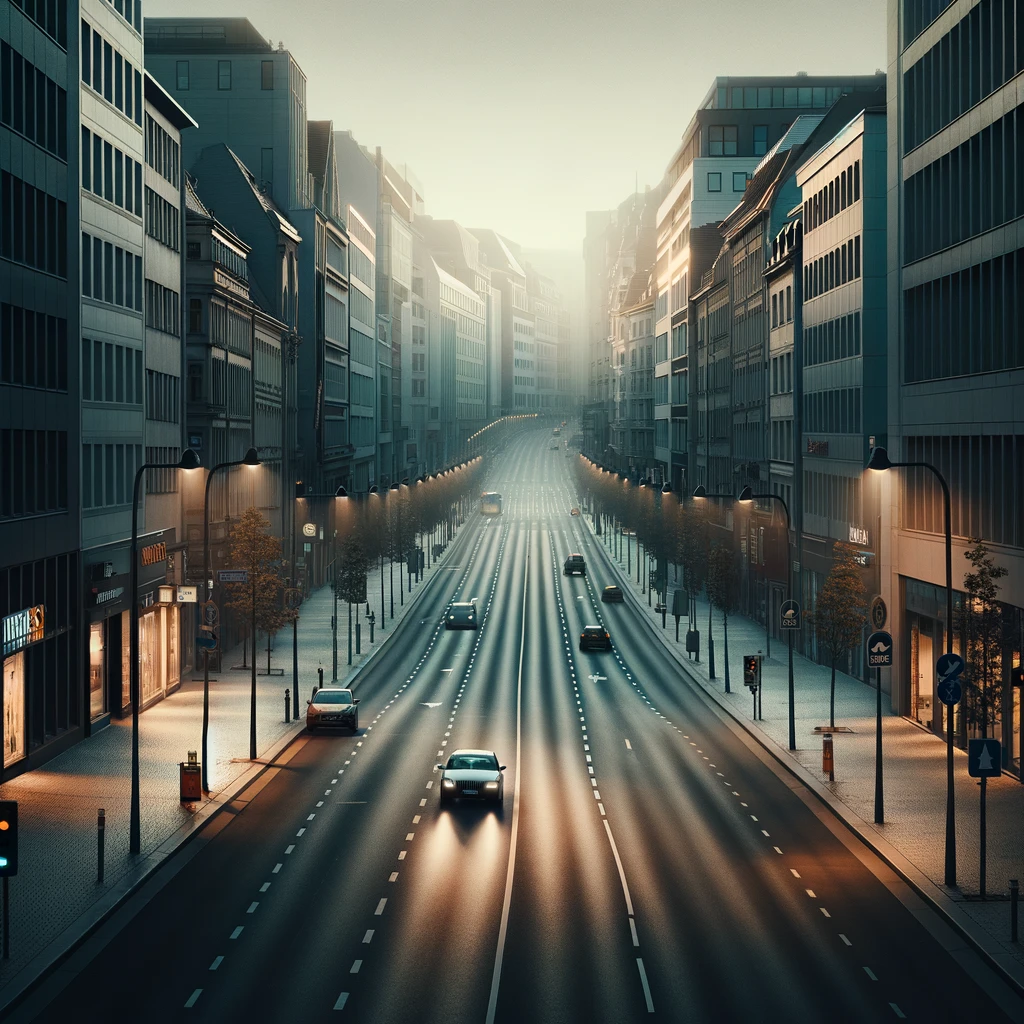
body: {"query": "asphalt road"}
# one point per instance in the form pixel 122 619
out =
pixel 648 862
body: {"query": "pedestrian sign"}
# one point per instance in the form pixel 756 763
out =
pixel 984 759
pixel 880 649
pixel 790 615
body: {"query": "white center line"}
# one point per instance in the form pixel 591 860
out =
pixel 618 864
pixel 401 855
pixel 870 973
pixel 216 963
pixel 810 892
pixel 368 936
pixel 796 874
pixel 299 833
pixel 320 803
pixel 632 931
pixel 264 887
pixel 775 848
pixel 290 848
pixel 236 932
pixel 753 817
pixel 416 819
pixel 252 907
pixel 342 1000
pixel 899 1013
pixel 191 1001
pixel 647 988
pixel 312 816
pixel 380 907
pixel 845 939
pixel 409 836
pixel 393 877
pixel 824 911
pixel 356 964
pixel 764 832
pixel 423 802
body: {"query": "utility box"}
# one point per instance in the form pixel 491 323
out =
pixel 693 642
pixel 190 779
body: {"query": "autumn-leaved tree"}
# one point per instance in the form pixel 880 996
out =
pixel 981 628
pixel 723 590
pixel 260 600
pixel 838 617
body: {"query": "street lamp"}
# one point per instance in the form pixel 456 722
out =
pixel 251 459
pixel 700 493
pixel 189 460
pixel 879 461
pixel 745 496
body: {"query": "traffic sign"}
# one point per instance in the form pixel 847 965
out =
pixel 211 614
pixel 790 614
pixel 880 649
pixel 950 666
pixel 233 575
pixel 188 595
pixel 878 613
pixel 950 691
pixel 207 640
pixel 309 529
pixel 984 759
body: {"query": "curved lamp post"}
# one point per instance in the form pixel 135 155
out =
pixel 252 459
pixel 700 493
pixel 747 495
pixel 189 460
pixel 880 462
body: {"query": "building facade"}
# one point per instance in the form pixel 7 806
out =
pixel 956 329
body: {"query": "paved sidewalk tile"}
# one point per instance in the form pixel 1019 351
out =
pixel 914 765
pixel 56 885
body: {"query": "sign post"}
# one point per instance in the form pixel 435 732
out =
pixel 879 657
pixel 984 761
pixel 790 614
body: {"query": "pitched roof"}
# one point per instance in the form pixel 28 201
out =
pixel 271 208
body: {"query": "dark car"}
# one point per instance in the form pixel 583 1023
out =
pixel 595 638
pixel 461 615
pixel 612 594
pixel 573 564
pixel 472 775
pixel 332 706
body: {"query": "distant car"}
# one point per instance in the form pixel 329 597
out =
pixel 595 638
pixel 332 707
pixel 611 594
pixel 553 446
pixel 461 615
pixel 472 775
pixel 574 511
pixel 575 564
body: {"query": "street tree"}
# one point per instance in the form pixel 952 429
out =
pixel 839 615
pixel 260 600
pixel 981 625
pixel 723 590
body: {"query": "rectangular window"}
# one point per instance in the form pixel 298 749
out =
pixel 223 74
pixel 739 181
pixel 267 74
pixel 760 139
pixel 714 181
pixel 181 74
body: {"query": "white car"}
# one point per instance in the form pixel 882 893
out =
pixel 332 707
pixel 472 775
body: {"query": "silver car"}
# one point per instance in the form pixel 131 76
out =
pixel 332 707
pixel 472 775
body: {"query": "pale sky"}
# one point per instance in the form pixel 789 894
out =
pixel 522 115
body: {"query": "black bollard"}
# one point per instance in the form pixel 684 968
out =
pixel 101 828
pixel 288 707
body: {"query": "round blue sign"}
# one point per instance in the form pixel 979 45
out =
pixel 949 666
pixel 949 691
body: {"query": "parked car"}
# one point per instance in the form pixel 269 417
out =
pixel 595 638
pixel 332 707
pixel 575 563
pixel 472 775
pixel 612 594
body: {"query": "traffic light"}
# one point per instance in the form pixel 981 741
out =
pixel 751 670
pixel 8 838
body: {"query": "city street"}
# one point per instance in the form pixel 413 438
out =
pixel 649 859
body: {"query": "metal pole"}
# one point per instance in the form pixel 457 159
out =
pixel 206 650
pixel 334 631
pixel 950 804
pixel 7 920
pixel 295 629
pixel 349 633
pixel 792 711
pixel 252 692
pixel 879 811
pixel 101 828
pixel 134 828
pixel 1014 897
pixel 982 861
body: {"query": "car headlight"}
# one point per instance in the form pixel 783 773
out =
pixel 451 618
pixel 490 785
pixel 447 783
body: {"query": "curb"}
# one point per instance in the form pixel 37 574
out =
pixel 1007 969
pixel 60 948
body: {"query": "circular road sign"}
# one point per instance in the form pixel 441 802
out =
pixel 949 691
pixel 949 666
pixel 790 613
pixel 880 649
pixel 878 613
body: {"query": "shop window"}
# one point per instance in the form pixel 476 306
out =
pixel 14 708
pixel 97 670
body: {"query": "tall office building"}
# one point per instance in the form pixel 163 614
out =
pixel 956 329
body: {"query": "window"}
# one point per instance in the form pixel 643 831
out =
pixel 33 349
pixel 722 139
pixel 714 181
pixel 775 311
pixel 33 472
pixel 44 120
pixel 195 316
pixel 739 181
pixel 33 226
pixel 223 74
pixel 267 74
pixel 181 74
pixel 760 139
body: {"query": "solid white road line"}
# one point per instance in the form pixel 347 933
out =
pixel 647 988
pixel 191 1001
pixel 492 1002
pixel 618 864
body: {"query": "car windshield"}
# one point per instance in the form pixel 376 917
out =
pixel 333 697
pixel 594 630
pixel 473 762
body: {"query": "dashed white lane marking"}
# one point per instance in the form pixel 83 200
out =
pixel 632 931
pixel 410 836
pixel 236 932
pixel 320 803
pixel 252 907
pixel 870 973
pixel 356 964
pixel 629 746
pixel 191 1001
pixel 845 939
pixel 796 874
pixel 416 819
pixel 824 911
pixel 264 887
pixel 312 816
pixel 764 832
pixel 393 877
pixel 342 1000
pixel 810 892
pixel 753 817
pixel 647 988
pixel 277 868
pixel 299 833
pixel 216 963
pixel 401 855
pixel 289 848
pixel 423 802
pixel 380 907
pixel 775 848
pixel 899 1013
pixel 618 864
pixel 368 936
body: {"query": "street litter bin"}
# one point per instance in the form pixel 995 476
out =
pixel 190 779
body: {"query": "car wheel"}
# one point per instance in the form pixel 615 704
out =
pixel 310 728
pixel 355 725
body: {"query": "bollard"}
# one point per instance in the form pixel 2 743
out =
pixel 1014 896
pixel 320 674
pixel 101 828
pixel 358 635
pixel 828 764
pixel 288 706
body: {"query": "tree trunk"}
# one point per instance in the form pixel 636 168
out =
pixel 725 648
pixel 832 699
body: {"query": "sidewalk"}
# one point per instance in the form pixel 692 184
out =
pixel 55 898
pixel 912 840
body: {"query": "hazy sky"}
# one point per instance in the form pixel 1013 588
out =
pixel 523 114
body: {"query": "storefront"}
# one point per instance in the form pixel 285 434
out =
pixel 107 611
pixel 159 620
